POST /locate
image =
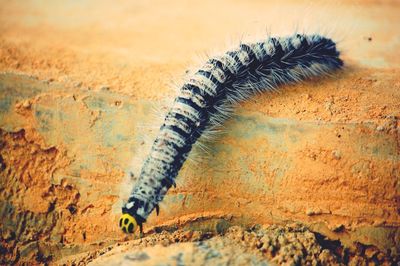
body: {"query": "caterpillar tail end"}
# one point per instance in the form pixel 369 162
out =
pixel 128 224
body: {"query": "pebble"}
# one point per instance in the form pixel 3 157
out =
pixel 26 104
pixel 336 154
pixel 105 88
pixel 77 84
pixel 310 212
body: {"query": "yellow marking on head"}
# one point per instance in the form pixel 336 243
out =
pixel 128 223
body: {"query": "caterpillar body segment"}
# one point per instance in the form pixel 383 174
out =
pixel 206 100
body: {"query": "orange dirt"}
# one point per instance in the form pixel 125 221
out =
pixel 76 83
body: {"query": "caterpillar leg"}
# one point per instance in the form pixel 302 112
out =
pixel 141 230
pixel 157 209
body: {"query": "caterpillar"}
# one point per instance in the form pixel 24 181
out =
pixel 206 99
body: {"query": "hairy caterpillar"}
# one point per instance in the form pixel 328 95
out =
pixel 206 100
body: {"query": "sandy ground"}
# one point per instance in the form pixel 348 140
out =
pixel 78 81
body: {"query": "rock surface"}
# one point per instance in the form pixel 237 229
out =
pixel 275 245
pixel 76 96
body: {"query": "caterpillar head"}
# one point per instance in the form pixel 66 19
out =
pixel 128 223
pixel 130 220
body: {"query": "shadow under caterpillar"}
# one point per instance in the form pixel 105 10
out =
pixel 206 100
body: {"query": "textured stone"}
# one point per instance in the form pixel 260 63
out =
pixel 327 146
